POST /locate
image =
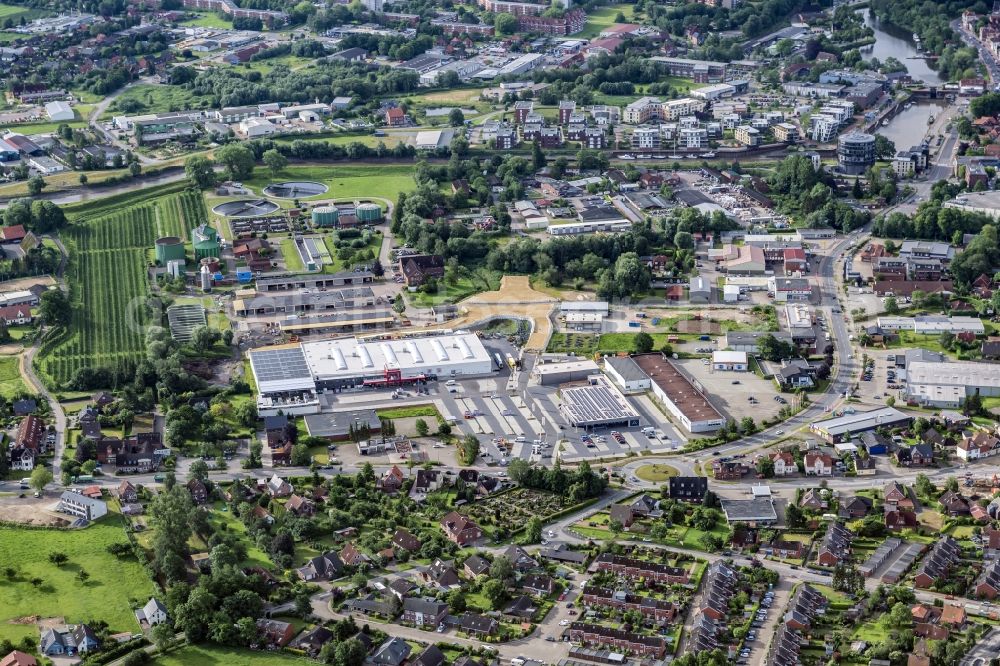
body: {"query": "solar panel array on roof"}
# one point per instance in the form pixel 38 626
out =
pixel 596 404
pixel 280 368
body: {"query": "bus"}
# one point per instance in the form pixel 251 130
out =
pixel 498 359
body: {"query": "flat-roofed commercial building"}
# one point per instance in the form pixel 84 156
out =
pixel 627 374
pixel 288 377
pixel 352 362
pixel 682 399
pixel 841 428
pixel 949 384
pixel 553 374
pixel 598 405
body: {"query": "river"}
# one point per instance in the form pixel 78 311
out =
pixel 891 41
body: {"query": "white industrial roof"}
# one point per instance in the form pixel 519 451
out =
pixel 729 357
pixel 962 374
pixel 350 357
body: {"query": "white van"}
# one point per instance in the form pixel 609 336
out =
pixel 521 439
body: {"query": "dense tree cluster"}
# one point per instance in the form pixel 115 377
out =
pixel 227 86
pixel 574 486
pixel 932 221
pixel 930 20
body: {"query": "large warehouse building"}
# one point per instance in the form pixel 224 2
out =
pixel 948 384
pixel 289 376
pixel 842 428
pixel 681 398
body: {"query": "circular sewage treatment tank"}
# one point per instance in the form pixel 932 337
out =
pixel 169 248
pixel 246 208
pixel 295 189
pixel 369 212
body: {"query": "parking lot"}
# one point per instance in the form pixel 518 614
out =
pixel 733 399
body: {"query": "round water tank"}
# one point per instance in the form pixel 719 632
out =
pixel 168 248
pixel 369 212
pixel 325 216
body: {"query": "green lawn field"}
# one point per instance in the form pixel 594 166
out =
pixel 377 180
pixel 210 655
pixel 10 377
pixel 603 18
pixel 156 99
pixel 109 594
pixel 209 20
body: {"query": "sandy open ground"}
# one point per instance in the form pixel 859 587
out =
pixel 30 511
pixel 515 299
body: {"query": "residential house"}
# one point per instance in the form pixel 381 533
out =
pixel 300 506
pixel 21 459
pixel 127 492
pixel 981 444
pixel 635 568
pixel 441 573
pixel 278 487
pixel 855 507
pixel 988 583
pixel 311 641
pixel 431 656
pixel 424 612
pixel 425 482
pixel 18 658
pixel 897 495
pixel 836 545
pixel 812 499
pixel 520 609
pixel 818 464
pixel 918 455
pixel 402 538
pixel 688 488
pixel 476 566
pixel 391 653
pixel 954 504
pixel 68 641
pixel 478 625
pixel 621 514
pixel 29 434
pixel 729 470
pixel 659 610
pixel 540 585
pixel 152 614
pixel 897 518
pixel 944 554
pixel 599 635
pixel 198 491
pixel 322 567
pixel 391 481
pixel 460 530
pixel 351 556
pixel 953 616
pixel 784 463
pixel 278 430
pixel 275 632
pixel 418 268
pixel 520 559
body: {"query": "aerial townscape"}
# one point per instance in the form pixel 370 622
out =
pixel 500 333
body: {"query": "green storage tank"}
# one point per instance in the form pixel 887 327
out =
pixel 206 242
pixel 325 216
pixel 169 248
pixel 369 213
